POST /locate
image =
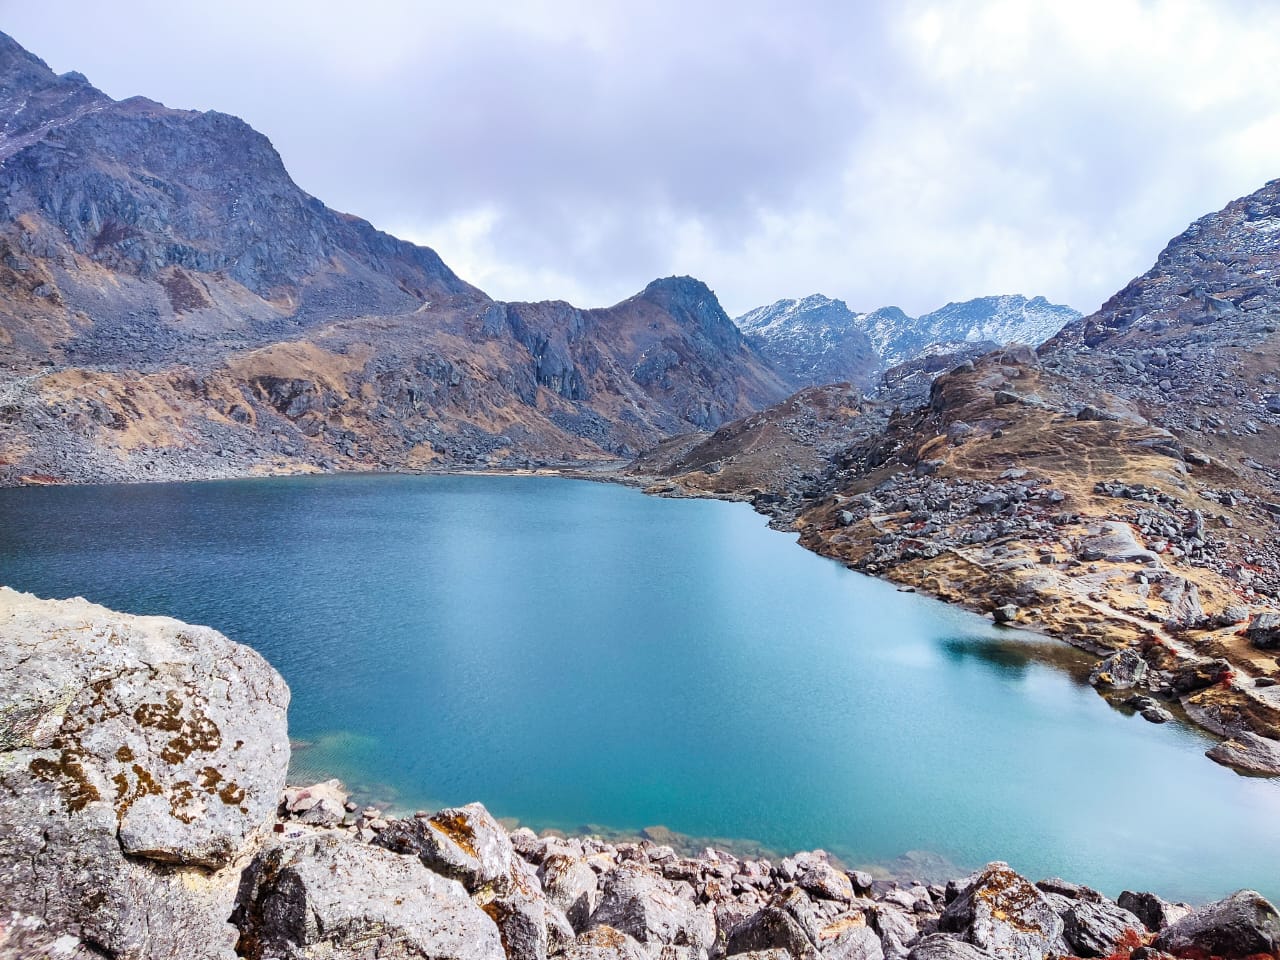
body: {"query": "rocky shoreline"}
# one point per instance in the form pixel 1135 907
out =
pixel 144 814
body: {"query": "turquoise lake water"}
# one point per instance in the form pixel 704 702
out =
pixel 573 653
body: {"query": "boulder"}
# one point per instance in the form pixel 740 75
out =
pixel 1123 670
pixel 141 757
pixel 1006 613
pixel 1264 631
pixel 1248 751
pixel 854 942
pixel 329 895
pixel 465 843
pixel 813 873
pixel 1154 912
pixel 943 946
pixel 604 943
pixel 647 907
pixel 570 884
pixel 1116 542
pixel 1098 928
pixel 1243 924
pixel 321 804
pixel 1004 914
pixel 897 932
pixel 520 909
pixel 786 922
pixel 1198 674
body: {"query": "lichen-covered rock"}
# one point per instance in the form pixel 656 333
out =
pixel 141 757
pixel 1244 923
pixel 326 895
pixel 648 908
pixel 465 843
pixel 1006 915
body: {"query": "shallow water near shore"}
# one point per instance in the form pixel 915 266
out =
pixel 576 653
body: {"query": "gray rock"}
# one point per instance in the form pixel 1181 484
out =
pixel 1007 613
pixel 648 908
pixel 321 804
pixel 815 875
pixel 855 942
pixel 1095 928
pixel 520 909
pixel 1116 542
pixel 1006 915
pixel 136 750
pixel 1154 912
pixel 1248 751
pixel 327 895
pixel 1122 670
pixel 943 946
pixel 465 843
pixel 571 885
pixel 605 943
pixel 897 932
pixel 1264 631
pixel 787 922
pixel 25 937
pixel 1244 923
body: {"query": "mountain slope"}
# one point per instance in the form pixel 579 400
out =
pixel 173 305
pixel 818 340
pixel 813 341
pixel 1119 487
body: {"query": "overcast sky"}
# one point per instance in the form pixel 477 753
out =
pixel 906 153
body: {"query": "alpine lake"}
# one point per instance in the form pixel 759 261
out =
pixel 582 657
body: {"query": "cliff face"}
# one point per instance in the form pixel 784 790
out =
pixel 172 305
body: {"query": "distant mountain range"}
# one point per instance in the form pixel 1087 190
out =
pixel 818 340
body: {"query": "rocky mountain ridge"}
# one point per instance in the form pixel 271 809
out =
pixel 817 340
pixel 145 817
pixel 1117 488
pixel 173 306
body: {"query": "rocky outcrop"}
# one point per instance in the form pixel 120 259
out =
pixel 142 758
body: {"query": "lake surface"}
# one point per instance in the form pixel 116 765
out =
pixel 572 653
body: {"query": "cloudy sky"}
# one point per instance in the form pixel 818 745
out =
pixel 905 153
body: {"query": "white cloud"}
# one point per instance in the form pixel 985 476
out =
pixel 908 153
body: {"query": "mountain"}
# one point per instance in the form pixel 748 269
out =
pixel 1119 487
pixel 813 341
pixel 990 320
pixel 818 340
pixel 172 305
